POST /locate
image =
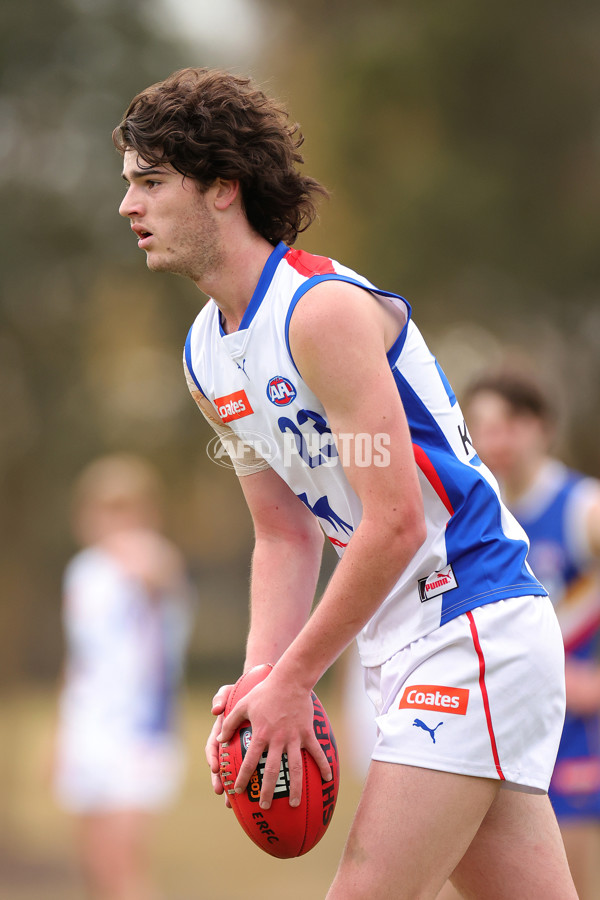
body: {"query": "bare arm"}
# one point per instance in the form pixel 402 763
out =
pixel 338 341
pixel 285 566
pixel 285 569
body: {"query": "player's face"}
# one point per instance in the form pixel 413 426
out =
pixel 506 441
pixel 171 218
pixel 100 517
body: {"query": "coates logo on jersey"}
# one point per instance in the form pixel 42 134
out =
pixel 280 391
pixel 435 697
pixel 233 406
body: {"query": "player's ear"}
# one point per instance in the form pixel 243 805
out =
pixel 226 193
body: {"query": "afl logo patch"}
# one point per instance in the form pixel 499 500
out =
pixel 245 737
pixel 280 391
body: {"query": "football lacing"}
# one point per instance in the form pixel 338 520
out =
pixel 225 770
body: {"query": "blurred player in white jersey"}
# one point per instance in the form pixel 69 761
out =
pixel 127 606
pixel 513 422
pixel 354 432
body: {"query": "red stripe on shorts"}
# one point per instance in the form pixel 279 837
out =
pixel 484 694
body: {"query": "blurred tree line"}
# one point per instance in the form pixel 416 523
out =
pixel 461 144
pixel 90 343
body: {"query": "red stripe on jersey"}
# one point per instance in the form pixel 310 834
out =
pixel 428 470
pixel 307 264
pixel 484 695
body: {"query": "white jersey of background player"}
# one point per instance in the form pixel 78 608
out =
pixel 126 615
pixel 118 743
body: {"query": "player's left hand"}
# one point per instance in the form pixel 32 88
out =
pixel 212 745
pixel 281 716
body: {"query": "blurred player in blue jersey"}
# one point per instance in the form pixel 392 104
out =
pixel 126 618
pixel 341 423
pixel 513 422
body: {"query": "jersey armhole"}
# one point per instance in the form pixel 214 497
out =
pixel 396 347
pixel 187 355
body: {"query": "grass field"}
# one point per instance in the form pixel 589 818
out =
pixel 200 852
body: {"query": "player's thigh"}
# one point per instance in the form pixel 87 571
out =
pixel 517 852
pixel 411 828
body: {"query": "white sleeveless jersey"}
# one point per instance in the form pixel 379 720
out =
pixel 125 653
pixel 474 553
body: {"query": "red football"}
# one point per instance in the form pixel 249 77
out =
pixel 284 831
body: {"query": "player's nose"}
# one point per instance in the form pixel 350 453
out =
pixel 130 204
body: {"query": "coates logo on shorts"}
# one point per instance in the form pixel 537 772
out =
pixel 280 391
pixel 233 406
pixel 435 697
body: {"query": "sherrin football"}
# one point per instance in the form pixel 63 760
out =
pixel 283 830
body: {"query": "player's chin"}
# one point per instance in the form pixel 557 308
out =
pixel 155 263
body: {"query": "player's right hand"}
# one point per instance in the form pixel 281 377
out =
pixel 212 745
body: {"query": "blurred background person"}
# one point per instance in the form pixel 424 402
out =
pixel 126 614
pixel 513 421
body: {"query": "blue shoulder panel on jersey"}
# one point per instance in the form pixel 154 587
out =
pixel 263 283
pixel 188 359
pixel 487 563
pixel 396 347
pixel 447 385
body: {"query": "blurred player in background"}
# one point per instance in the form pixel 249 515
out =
pixel 127 606
pixel 361 436
pixel 512 421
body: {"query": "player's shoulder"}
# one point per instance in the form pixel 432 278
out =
pixel 583 492
pixel 333 304
pixel 92 571
pixel 568 485
pixel 203 326
pixel 87 562
pixel 92 584
pixel 334 324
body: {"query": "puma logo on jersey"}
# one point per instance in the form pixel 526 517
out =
pixel 434 696
pixel 233 406
pixel 437 583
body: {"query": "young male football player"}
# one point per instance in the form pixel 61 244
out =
pixel 360 437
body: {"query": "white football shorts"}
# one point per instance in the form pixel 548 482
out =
pixel 483 695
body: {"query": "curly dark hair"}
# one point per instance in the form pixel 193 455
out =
pixel 210 124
